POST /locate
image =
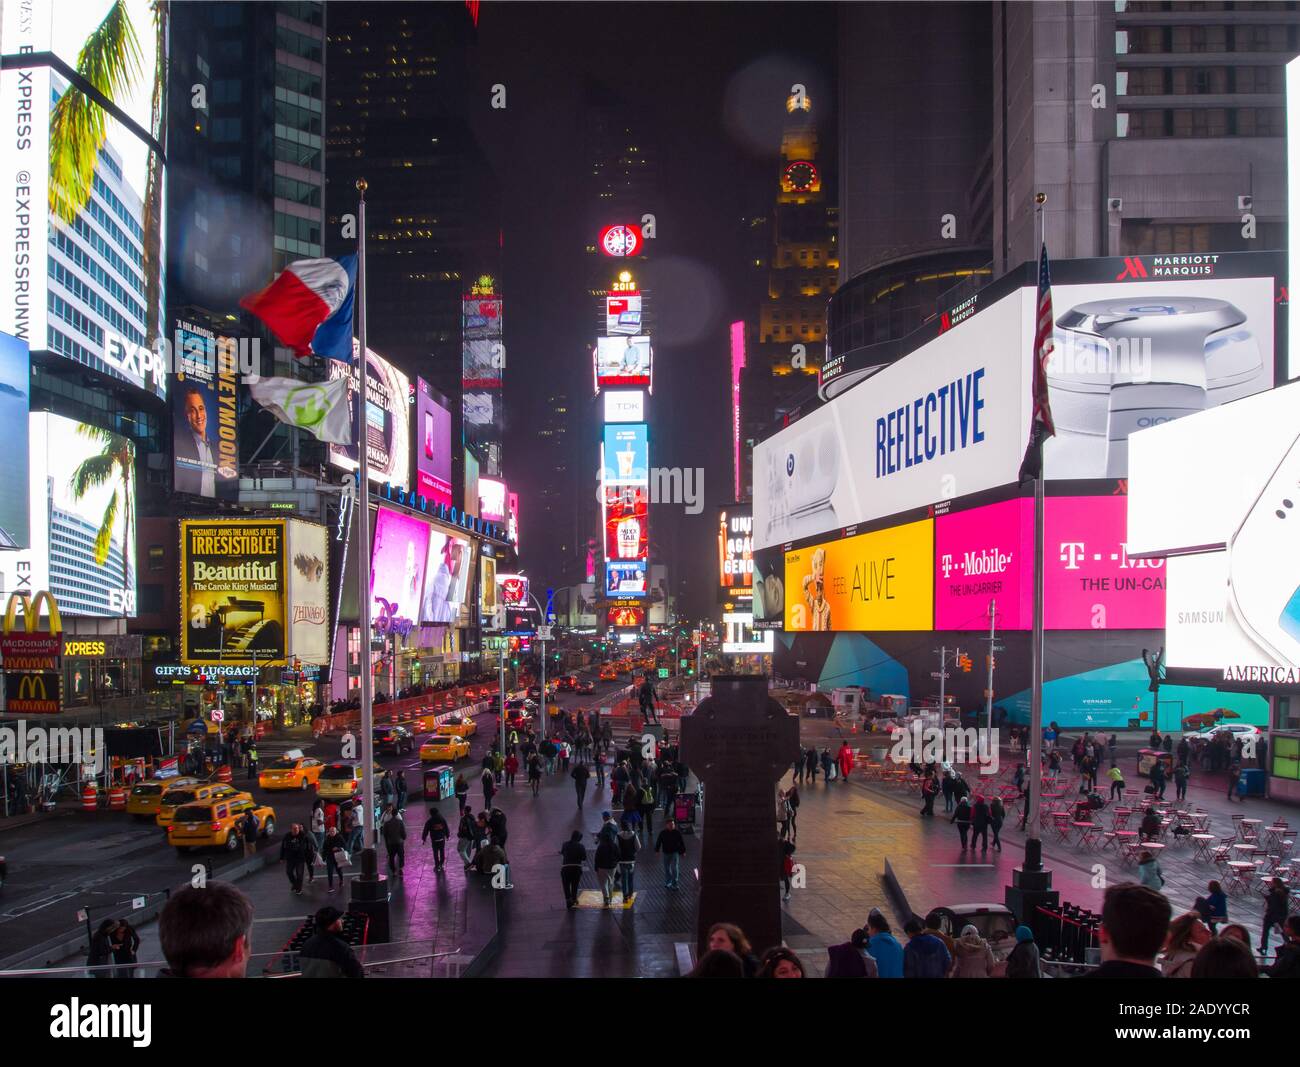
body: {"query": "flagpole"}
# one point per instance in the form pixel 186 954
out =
pixel 363 537
pixel 1033 842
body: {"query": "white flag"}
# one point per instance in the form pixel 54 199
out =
pixel 320 407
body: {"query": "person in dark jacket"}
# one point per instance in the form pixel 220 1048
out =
pixel 606 863
pixel 628 846
pixel 394 834
pixel 810 763
pixel 962 817
pixel 101 949
pixel 437 831
pixel 980 820
pixel 297 850
pixel 924 955
pixel 466 836
pixel 326 954
pixel 929 790
pixel 851 959
pixel 828 764
pixel 1287 964
pixel 946 786
pixel 1277 905
pixel 580 774
pixel 573 854
pixel 1134 925
pixel 672 845
pixel 126 946
pixel 1023 961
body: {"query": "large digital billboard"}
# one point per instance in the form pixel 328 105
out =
pixel 309 587
pixel 481 317
pixel 512 590
pixel 446 577
pixel 492 500
pixel 388 415
pixel 83 282
pixel 398 559
pixel 625 616
pixel 432 444
pixel 736 551
pixel 981 555
pixel 626 522
pixel 626 578
pixel 82 518
pixel 624 405
pixel 874 581
pixel 233 591
pixel 1161 338
pixel 623 314
pixel 623 361
pixel 626 455
pixel 15 396
pixel 205 414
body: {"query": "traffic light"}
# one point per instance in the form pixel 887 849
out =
pixel 963 661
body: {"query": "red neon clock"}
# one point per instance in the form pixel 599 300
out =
pixel 620 240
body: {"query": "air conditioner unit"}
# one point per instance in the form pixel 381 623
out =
pixel 1115 203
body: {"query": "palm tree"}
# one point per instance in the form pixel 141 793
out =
pixel 110 60
pixel 113 466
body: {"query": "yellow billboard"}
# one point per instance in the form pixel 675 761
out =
pixel 874 581
pixel 233 588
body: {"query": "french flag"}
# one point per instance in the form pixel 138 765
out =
pixel 309 306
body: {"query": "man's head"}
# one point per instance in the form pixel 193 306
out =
pixel 207 933
pixel 934 921
pixel 877 923
pixel 330 919
pixel 670 823
pixel 196 412
pixel 1134 922
pixel 913 927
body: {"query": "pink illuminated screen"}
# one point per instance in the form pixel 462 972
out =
pixel 737 365
pixel 982 555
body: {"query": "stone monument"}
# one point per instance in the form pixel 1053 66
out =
pixel 739 742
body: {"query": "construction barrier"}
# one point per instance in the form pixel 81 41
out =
pixel 117 798
pixel 224 773
pixel 89 797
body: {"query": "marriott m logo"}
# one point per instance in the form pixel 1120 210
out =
pixel 1133 268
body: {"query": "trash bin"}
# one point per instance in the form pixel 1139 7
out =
pixel 439 783
pixel 1252 783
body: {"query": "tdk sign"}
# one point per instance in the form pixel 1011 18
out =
pixel 936 424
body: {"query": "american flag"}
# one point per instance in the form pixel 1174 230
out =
pixel 1041 426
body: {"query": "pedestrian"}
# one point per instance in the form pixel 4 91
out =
pixel 1234 774
pixel 810 764
pixel 962 817
pixel 580 775
pixel 1213 907
pixel 844 761
pixel 386 789
pixel 929 790
pixel 828 766
pixel 1287 964
pixel 648 808
pixel 1181 774
pixel 100 954
pixel 496 822
pixel 296 852
pixel 974 958
pixel 1225 957
pixel 787 869
pixel 393 831
pixel 400 794
pixel 248 830
pixel 1186 936
pixel 1277 905
pixel 672 847
pixel 358 826
pixel 1053 764
pixel 126 946
pixel 535 773
pixel 728 937
pixel 668 786
pixel 780 962
pixel 628 846
pixel 799 765
pixel 1134 924
pixel 437 831
pixel 598 761
pixel 462 793
pixel 511 768
pixel 573 854
pixel 1088 773
pixel 884 946
pixel 319 820
pixel 1149 872
pixel 252 762
pixel 1116 777
pixel 1023 962
pixel 980 823
pixel 946 785
pixel 606 864
pixel 1112 748
pixel 925 955
pixel 997 816
pixel 489 786
pixel 325 954
pixel 336 856
pixel 466 836
pixel 792 798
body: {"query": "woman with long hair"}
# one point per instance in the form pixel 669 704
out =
pixel 730 938
pixel 1186 936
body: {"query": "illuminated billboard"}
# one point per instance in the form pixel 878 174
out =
pixel 626 578
pixel 512 590
pixel 624 405
pixel 388 415
pixel 626 455
pixel 492 504
pixel 623 361
pixel 82 275
pixel 308 593
pixel 82 518
pixel 233 591
pixel 736 551
pixel 471 483
pixel 446 577
pixel 481 317
pixel 625 616
pixel 512 519
pixel 626 523
pixel 15 396
pixel 205 415
pixel 433 444
pixel 483 361
pixel 398 558
pixel 623 314
pixel 621 239
pixel 874 581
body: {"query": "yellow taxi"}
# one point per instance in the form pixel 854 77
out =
pixel 179 796
pixel 444 748
pixel 215 823
pixel 341 780
pixel 293 770
pixel 144 796
pixel 608 673
pixel 460 725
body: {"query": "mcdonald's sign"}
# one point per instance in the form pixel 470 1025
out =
pixel 32 692
pixel 30 649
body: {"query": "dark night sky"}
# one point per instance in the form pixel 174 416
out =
pixel 713 80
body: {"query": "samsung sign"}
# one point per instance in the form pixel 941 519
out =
pixel 950 419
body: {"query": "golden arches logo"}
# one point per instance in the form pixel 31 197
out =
pixel 32 611
pixel 29 686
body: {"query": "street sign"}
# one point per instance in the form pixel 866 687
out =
pixel 663 672
pixel 137 903
pixel 218 715
pixel 81 915
pixel 544 633
pixel 939 674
